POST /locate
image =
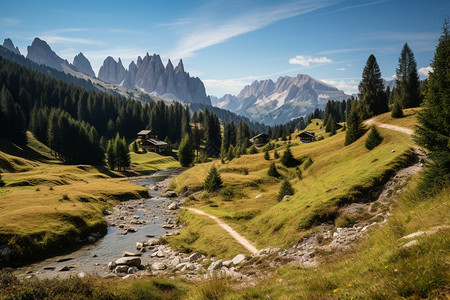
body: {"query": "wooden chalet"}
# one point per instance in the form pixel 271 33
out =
pixel 148 140
pixel 260 139
pixel 307 137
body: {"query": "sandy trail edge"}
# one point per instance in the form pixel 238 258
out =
pixel 239 238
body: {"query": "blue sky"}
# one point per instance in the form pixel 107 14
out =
pixel 231 43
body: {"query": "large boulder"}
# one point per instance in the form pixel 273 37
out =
pixel 158 266
pixel 238 259
pixel 216 265
pixel 194 257
pixel 172 206
pixel 129 261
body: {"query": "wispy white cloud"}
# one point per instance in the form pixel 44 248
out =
pixel 359 5
pixel 307 61
pixel 174 25
pixel 425 70
pixel 348 50
pixel 348 86
pixel 10 21
pixel 207 32
pixel 55 39
pixel 341 69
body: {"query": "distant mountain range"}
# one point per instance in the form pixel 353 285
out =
pixel 264 101
pixel 278 102
pixel 148 75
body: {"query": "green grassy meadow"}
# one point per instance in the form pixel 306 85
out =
pixel 46 203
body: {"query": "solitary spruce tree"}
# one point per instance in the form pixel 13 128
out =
pixel 397 111
pixel 213 181
pixel 374 138
pixel 186 151
pixel 266 154
pixel 355 127
pixel 407 82
pixel 433 129
pixel 288 159
pixel 372 95
pixel 273 170
pixel 285 189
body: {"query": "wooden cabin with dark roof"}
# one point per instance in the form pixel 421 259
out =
pixel 307 137
pixel 148 140
pixel 260 139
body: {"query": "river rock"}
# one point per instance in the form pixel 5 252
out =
pixel 167 226
pixel 216 265
pixel 127 254
pixel 65 268
pixel 158 266
pixel 132 270
pixel 176 261
pixel 129 261
pixel 63 259
pixel 139 245
pixel 170 194
pixel 129 276
pixel 158 253
pixel 194 257
pixel 228 264
pixel 81 275
pixel 238 259
pixel 121 269
pixel 91 239
pixel 111 265
pixel 172 206
pixel 153 242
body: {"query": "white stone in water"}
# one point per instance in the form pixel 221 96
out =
pixel 139 245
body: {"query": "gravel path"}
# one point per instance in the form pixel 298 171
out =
pixel 391 127
pixel 239 238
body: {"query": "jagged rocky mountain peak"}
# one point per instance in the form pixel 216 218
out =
pixel 83 65
pixel 8 44
pixel 280 101
pixel 41 53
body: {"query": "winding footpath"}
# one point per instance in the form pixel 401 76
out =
pixel 391 127
pixel 246 243
pixel 239 238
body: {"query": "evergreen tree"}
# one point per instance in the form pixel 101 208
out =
pixel 287 159
pixel 111 154
pixel 397 111
pixel 273 170
pixel 12 119
pixel 213 181
pixel 266 154
pixel 355 127
pixel 185 122
pixel 122 153
pixel 372 97
pixel 212 135
pixel 407 82
pixel 186 151
pixel 374 138
pixel 275 154
pixel 253 149
pixel 299 173
pixel 285 190
pixel 134 147
pixel 333 127
pixel 230 154
pixel 433 129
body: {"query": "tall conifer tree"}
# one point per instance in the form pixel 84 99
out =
pixel 407 82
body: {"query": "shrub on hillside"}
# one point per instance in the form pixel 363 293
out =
pixel 285 190
pixel 2 183
pixel 374 138
pixel 397 111
pixel 213 181
pixel 288 159
pixel 276 155
pixel 266 155
pixel 273 170
pixel 253 150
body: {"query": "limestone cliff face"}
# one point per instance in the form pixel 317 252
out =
pixel 8 44
pixel 150 75
pixel 112 71
pixel 41 53
pixel 83 65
